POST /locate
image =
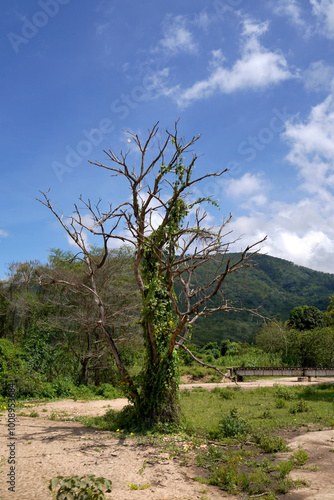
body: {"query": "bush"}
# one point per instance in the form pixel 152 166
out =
pixel 299 457
pixel 108 391
pixel 223 393
pixel 299 407
pixel 282 392
pixel 80 488
pixel 270 444
pixel 233 425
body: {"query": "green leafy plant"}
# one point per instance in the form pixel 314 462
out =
pixel 233 425
pixel 80 488
pixel 137 487
pixel 282 392
pixel 299 407
pixel 223 393
pixel 34 414
pixel 270 444
pixel 299 457
pixel 280 403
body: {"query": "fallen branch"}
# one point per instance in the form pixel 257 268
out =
pixel 225 375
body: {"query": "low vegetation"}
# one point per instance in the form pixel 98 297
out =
pixel 234 436
pixel 79 488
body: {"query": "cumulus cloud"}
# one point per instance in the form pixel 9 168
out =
pixel 257 68
pixel 302 232
pixel 312 149
pixel 246 185
pixel 324 11
pixel 292 234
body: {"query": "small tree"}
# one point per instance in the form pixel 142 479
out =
pixel 305 318
pixel 171 240
pixel 329 313
pixel 75 314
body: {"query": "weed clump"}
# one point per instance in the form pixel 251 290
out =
pixel 270 444
pixel 233 425
pixel 299 407
pixel 223 393
pixel 282 392
pixel 79 488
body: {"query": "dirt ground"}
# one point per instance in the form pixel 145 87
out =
pixel 46 448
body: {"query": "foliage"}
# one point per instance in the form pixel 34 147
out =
pixel 80 488
pixel 233 425
pixel 305 318
pixel 244 471
pixel 299 407
pixel 329 313
pixel 269 443
pixel 299 457
pixel 283 392
pixel 276 284
pixel 297 347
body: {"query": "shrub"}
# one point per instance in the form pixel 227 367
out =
pixel 280 403
pixel 255 482
pixel 108 391
pixel 270 444
pixel 282 392
pixel 80 488
pixel 299 457
pixel 299 407
pixel 227 476
pixel 233 425
pixel 223 392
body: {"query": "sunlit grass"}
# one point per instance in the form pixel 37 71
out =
pixel 203 409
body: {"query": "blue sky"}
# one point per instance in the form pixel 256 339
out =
pixel 256 79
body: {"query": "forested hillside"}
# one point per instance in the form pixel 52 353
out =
pixel 275 284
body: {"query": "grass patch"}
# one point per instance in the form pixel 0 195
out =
pixel 266 409
pixel 233 436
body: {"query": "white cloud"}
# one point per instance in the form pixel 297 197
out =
pixel 203 20
pixel 302 232
pixel 319 77
pixel 291 9
pixel 156 83
pixel 3 233
pixel 324 10
pixel 303 238
pixel 177 37
pixel 312 149
pixel 257 68
pixel 245 186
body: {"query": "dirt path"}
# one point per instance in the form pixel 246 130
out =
pixel 46 448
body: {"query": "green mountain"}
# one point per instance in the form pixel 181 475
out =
pixel 275 284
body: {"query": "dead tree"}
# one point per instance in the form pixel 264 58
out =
pixel 171 240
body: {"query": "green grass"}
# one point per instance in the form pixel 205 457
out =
pixel 203 409
pixel 233 435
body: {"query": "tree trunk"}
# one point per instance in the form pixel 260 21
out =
pixel 85 370
pixel 158 400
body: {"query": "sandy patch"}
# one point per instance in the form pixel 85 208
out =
pixel 46 448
